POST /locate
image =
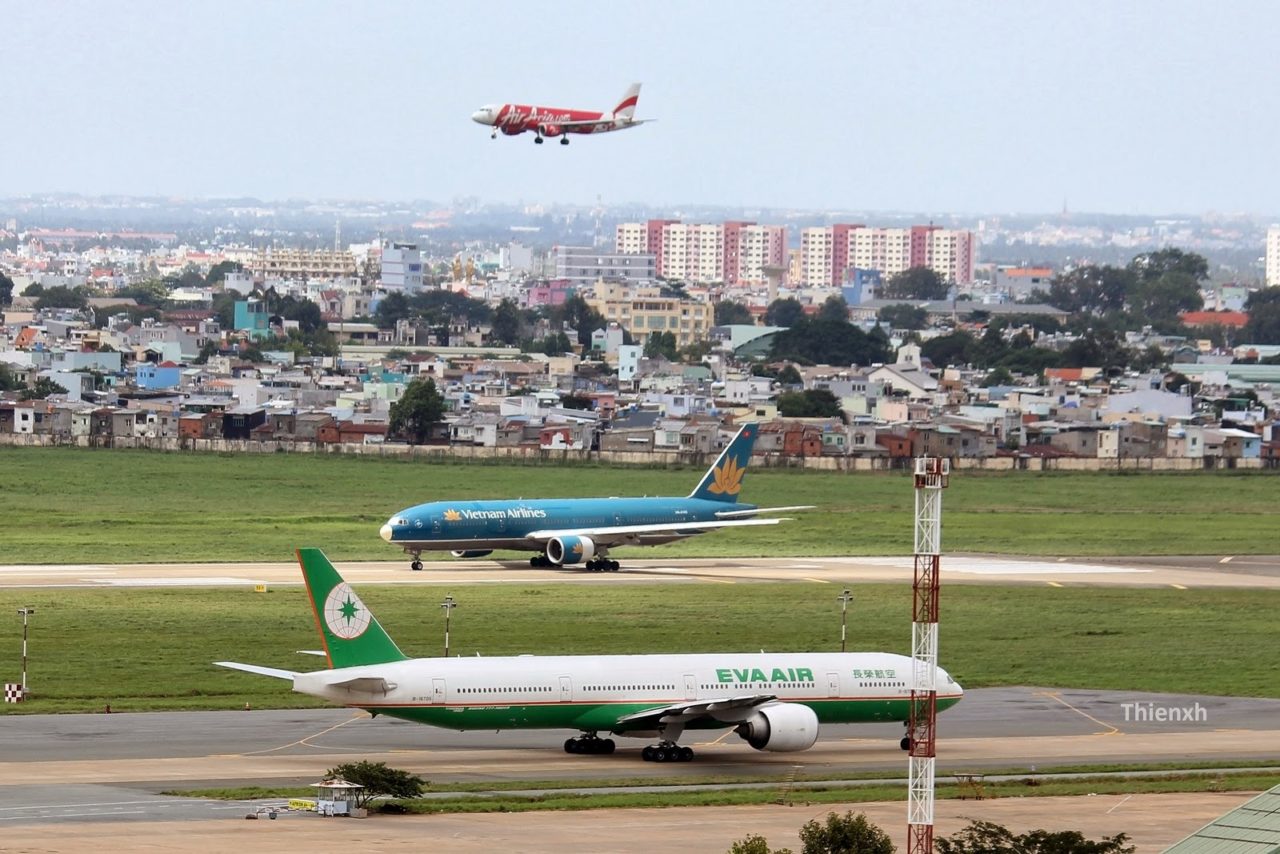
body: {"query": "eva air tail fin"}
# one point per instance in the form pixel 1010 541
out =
pixel 351 634
pixel 723 481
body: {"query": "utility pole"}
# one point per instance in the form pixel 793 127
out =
pixel 25 613
pixel 448 604
pixel 845 598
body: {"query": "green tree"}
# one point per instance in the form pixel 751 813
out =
pixel 413 414
pixel 6 290
pixel 788 375
pixel 985 837
pixel 1091 289
pixel 904 316
pixel 8 382
pixel 810 403
pixel 755 844
pixel 816 341
pixel 1263 326
pixel 578 315
pixel 577 401
pixel 62 297
pixel 304 311
pixel 392 308
pixel 835 308
pixel 218 272
pixel 999 376
pixel 846 834
pixel 1155 265
pixel 729 312
pixel 378 780
pixel 505 326
pixel 660 344
pixel 915 283
pixel 42 389
pixel 957 348
pixel 787 311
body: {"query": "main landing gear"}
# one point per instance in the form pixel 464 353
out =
pixel 905 744
pixel 539 562
pixel 667 751
pixel 537 140
pixel 564 140
pixel 589 743
pixel 602 564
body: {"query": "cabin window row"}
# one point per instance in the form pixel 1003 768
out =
pixel 505 690
pixel 714 686
pixel 630 688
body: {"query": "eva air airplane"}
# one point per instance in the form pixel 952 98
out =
pixel 774 701
pixel 572 531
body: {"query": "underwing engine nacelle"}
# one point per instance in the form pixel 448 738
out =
pixel 782 727
pixel 550 130
pixel 566 551
pixel 471 553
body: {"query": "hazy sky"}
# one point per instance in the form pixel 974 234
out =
pixel 1121 107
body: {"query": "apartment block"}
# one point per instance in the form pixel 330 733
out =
pixel 643 310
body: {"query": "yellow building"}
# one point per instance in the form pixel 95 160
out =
pixel 644 310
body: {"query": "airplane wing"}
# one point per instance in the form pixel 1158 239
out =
pixel 730 514
pixel 254 668
pixel 680 528
pixel 599 124
pixel 727 710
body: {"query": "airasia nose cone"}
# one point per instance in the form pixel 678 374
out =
pixel 483 116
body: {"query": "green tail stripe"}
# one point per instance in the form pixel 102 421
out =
pixel 352 636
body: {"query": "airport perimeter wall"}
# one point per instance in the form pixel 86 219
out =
pixel 535 456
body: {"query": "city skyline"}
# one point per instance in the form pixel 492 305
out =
pixel 1147 108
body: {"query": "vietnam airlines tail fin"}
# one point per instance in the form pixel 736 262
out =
pixel 351 634
pixel 723 481
pixel 626 109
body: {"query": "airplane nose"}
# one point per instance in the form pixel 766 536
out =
pixel 480 116
pixel 385 532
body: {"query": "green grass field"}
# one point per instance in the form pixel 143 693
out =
pixel 64 505
pixel 140 649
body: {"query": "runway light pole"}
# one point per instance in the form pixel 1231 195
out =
pixel 448 604
pixel 25 613
pixel 845 598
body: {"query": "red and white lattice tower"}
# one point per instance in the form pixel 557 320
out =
pixel 931 475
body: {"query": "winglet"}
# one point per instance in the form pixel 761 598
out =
pixel 352 635
pixel 723 481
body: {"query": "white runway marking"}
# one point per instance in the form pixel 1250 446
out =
pixel 208 581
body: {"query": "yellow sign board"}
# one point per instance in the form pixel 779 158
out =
pixel 301 804
pixel 259 588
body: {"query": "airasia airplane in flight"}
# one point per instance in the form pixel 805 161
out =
pixel 514 119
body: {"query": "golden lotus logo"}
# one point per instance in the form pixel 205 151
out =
pixel 452 515
pixel 577 548
pixel 728 479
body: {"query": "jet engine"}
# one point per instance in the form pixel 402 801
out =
pixel 570 550
pixel 472 553
pixel 782 727
pixel 550 130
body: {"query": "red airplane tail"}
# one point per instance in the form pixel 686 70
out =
pixel 626 108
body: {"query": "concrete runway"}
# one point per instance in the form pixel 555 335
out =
pixel 1247 571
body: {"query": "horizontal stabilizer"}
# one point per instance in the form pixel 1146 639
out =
pixel 261 671
pixel 365 685
pixel 319 652
pixel 674 527
pixel 732 514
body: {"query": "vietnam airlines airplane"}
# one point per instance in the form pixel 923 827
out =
pixel 572 531
pixel 514 119
pixel 773 701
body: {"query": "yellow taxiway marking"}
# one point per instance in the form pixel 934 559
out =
pixel 1053 583
pixel 1178 586
pixel 722 737
pixel 817 580
pixel 718 580
pixel 1053 695
pixel 1226 559
pixel 305 742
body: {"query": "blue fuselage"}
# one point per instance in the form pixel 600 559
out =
pixel 506 524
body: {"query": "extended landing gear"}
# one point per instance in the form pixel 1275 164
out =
pixel 416 564
pixel 537 140
pixel 564 140
pixel 539 562
pixel 602 564
pixel 494 134
pixel 905 744
pixel 667 751
pixel 589 744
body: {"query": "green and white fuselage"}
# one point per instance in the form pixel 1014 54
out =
pixel 774 700
pixel 602 693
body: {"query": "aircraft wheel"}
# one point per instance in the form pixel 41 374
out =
pixel 661 754
pixel 647 754
pixel 564 140
pixel 613 566
pixel 686 754
pixel 416 566
pixel 608 746
pixel 905 744
pixel 570 745
pixel 537 140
